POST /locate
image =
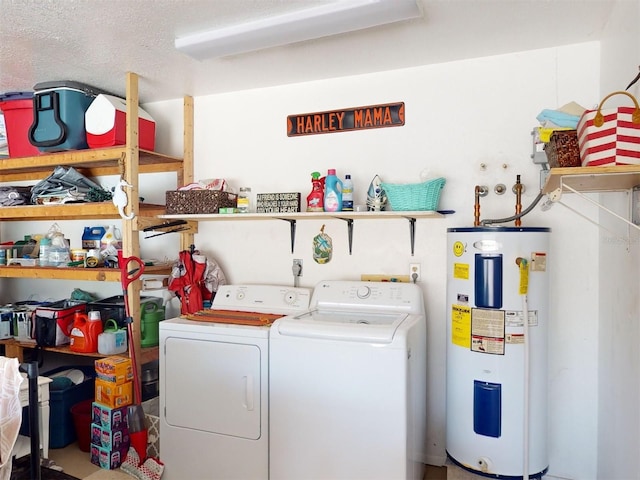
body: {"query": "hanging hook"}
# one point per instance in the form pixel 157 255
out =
pixel 634 80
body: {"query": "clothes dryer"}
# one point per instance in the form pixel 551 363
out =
pixel 214 384
pixel 348 385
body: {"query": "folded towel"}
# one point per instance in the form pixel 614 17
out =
pixel 558 118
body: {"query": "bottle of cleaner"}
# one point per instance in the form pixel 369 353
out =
pixel 110 242
pixel 332 192
pixel 315 199
pixel 85 332
pixel 347 194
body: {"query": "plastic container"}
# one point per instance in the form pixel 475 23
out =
pixel 347 194
pixel 315 199
pixel 112 340
pixel 244 200
pixel 58 120
pixel 85 331
pixel 62 431
pixel 106 120
pixel 332 192
pixel 81 414
pixel 113 307
pixel 92 236
pixel 150 319
pixel 43 253
pixel 17 108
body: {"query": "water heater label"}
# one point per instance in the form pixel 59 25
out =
pixel 487 331
pixel 461 325
pixel 514 318
pixel 461 271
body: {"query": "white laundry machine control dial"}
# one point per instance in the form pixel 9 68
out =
pixel 363 291
pixel 290 297
pixel 240 295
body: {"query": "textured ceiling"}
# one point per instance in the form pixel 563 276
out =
pixel 98 41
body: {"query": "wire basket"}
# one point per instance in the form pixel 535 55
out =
pixel 414 196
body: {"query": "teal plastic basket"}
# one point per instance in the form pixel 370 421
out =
pixel 414 196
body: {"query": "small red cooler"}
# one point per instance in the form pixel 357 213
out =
pixel 106 119
pixel 17 108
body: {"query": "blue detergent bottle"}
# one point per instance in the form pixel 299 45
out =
pixel 332 192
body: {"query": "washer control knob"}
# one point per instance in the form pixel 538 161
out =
pixel 363 291
pixel 240 295
pixel 290 297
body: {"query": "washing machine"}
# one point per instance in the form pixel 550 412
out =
pixel 348 384
pixel 214 369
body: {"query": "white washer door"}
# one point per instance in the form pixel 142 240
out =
pixel 213 386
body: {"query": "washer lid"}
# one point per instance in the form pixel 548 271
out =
pixel 339 325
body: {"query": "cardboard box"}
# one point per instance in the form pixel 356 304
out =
pixel 114 367
pixel 109 418
pixel 113 396
pixel 110 439
pixel 106 458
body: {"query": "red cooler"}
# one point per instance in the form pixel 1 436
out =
pixel 17 108
pixel 106 119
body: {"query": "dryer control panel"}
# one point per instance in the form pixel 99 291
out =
pixel 276 299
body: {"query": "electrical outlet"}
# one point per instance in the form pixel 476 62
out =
pixel 297 267
pixel 415 274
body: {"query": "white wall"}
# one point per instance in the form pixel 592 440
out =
pixel 619 310
pixel 458 116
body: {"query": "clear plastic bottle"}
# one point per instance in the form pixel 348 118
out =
pixel 244 200
pixel 347 194
pixel 43 253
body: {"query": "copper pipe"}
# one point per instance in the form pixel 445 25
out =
pixel 476 208
pixel 518 187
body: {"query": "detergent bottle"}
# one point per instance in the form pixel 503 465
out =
pixel 85 332
pixel 315 199
pixel 332 192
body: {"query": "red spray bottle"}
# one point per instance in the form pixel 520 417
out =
pixel 315 199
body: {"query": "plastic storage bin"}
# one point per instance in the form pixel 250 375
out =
pixel 113 307
pixel 62 428
pixel 17 108
pixel 58 119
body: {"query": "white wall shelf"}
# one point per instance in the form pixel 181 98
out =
pixel 581 180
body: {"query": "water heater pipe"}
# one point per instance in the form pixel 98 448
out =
pixel 526 368
pixel 518 188
pixel 476 207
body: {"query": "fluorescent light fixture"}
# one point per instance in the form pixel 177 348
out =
pixel 340 16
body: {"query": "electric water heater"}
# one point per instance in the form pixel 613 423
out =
pixel 496 383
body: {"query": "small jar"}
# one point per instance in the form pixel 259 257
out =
pixel 244 200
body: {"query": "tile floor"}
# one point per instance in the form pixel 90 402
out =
pixel 77 463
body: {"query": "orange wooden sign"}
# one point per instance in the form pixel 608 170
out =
pixel 358 118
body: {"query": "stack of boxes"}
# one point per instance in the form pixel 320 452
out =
pixel 109 427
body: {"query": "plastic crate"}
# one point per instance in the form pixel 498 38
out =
pixel 62 431
pixel 113 307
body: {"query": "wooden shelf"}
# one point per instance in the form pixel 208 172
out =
pixel 127 162
pixel 15 349
pixel 593 179
pixel 73 211
pixel 91 163
pixel 80 274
